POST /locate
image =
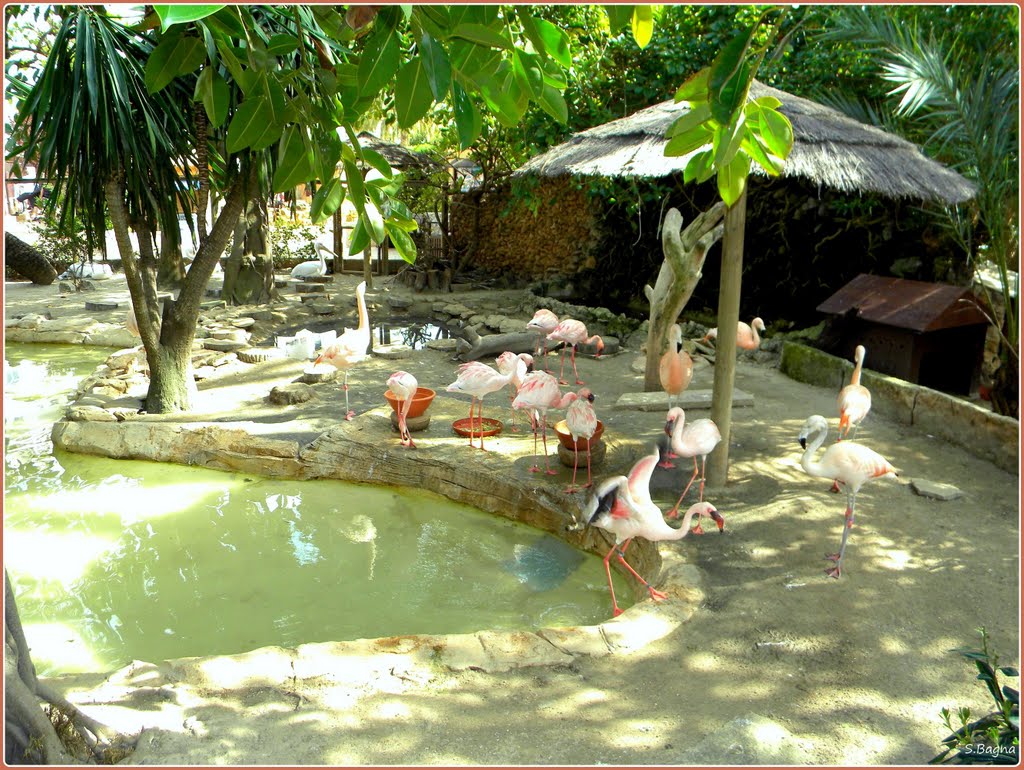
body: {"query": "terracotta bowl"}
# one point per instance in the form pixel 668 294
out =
pixel 420 401
pixel 565 438
pixel 491 427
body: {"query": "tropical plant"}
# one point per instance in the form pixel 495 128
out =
pixel 995 737
pixel 956 90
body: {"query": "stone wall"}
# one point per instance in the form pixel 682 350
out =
pixel 552 232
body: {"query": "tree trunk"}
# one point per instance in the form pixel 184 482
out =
pixel 249 271
pixel 27 261
pixel 685 251
pixel 725 350
pixel 168 343
pixel 203 167
pixel 171 272
pixel 1006 385
pixel 31 736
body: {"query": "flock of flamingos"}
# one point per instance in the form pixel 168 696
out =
pixel 622 505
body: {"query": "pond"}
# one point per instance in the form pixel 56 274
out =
pixel 114 560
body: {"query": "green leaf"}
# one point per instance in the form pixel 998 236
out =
pixel 698 168
pixel 251 126
pixel 215 95
pixel 326 200
pixel 437 66
pixel 356 187
pixel 643 24
pixel 377 161
pixel 777 132
pixel 768 102
pixel 481 35
pixel 556 42
pixel 182 14
pixel 527 70
pixel 413 95
pixel 176 55
pixel 554 104
pixel 727 141
pixel 360 238
pixel 685 143
pixel 730 76
pixel 375 221
pixel 294 160
pixel 467 117
pixel 695 88
pixel 732 179
pixel 405 245
pixel 618 16
pixel 379 62
pixel 689 120
pixel 282 45
pixel 754 147
pixel 1009 671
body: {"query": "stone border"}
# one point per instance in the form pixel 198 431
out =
pixel 994 437
pixel 352 452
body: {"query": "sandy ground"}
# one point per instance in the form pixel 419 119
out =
pixel 856 669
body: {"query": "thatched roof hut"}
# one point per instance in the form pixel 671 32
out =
pixel 396 155
pixel 829 148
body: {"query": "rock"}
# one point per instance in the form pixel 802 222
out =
pixel 320 375
pixel 399 303
pixel 243 323
pixel 237 335
pixel 224 345
pixel 445 345
pixel 936 490
pixel 293 393
pixel 98 306
pixel 747 740
pixel 395 351
pixel 322 308
pixel 77 413
pixel 110 337
pixel 258 355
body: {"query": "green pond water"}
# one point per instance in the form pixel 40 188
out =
pixel 115 560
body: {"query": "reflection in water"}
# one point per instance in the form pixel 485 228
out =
pixel 414 335
pixel 116 559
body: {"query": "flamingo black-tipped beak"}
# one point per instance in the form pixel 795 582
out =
pixel 668 427
pixel 591 397
pixel 803 442
pixel 718 520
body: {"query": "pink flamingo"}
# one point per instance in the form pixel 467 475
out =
pixel 404 386
pixel 538 393
pixel 351 346
pixel 849 462
pixel 519 365
pixel 545 322
pixel 573 333
pixel 478 379
pixel 676 367
pixel 700 437
pixel 854 402
pixel 746 336
pixel 623 506
pixel 582 422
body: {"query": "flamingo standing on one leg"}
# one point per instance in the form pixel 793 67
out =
pixel 538 393
pixel 478 379
pixel 351 347
pixel 404 386
pixel 545 322
pixel 582 422
pixel 623 506
pixel 699 437
pixel 573 333
pixel 676 367
pixel 746 336
pixel 849 462
pixel 519 365
pixel 854 402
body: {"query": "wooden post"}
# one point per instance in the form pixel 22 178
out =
pixel 725 349
pixel 338 244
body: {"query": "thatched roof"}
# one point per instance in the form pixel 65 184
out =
pixel 829 149
pixel 396 155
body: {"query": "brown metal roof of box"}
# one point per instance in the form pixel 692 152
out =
pixel 916 305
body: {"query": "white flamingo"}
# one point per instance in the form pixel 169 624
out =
pixel 538 393
pixel 351 347
pixel 404 386
pixel 544 321
pixel 623 506
pixel 573 333
pixel 849 462
pixel 478 379
pixel 519 365
pixel 581 421
pixel 699 437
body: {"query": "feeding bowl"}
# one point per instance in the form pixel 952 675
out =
pixel 490 426
pixel 565 438
pixel 420 401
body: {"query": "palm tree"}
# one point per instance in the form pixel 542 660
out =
pixel 963 101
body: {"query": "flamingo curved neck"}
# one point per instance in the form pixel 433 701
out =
pixel 807 461
pixel 364 318
pixel 859 363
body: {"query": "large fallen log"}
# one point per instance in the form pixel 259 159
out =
pixel 27 261
pixel 471 346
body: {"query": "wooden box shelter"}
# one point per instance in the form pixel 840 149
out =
pixel 929 333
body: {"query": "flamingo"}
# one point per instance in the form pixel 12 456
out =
pixel 538 393
pixel 623 506
pixel 700 437
pixel 314 268
pixel 404 386
pixel 545 322
pixel 849 462
pixel 582 422
pixel 351 346
pixel 478 379
pixel 746 336
pixel 676 367
pixel 854 402
pixel 573 333
pixel 520 365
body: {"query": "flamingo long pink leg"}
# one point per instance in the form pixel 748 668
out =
pixel 674 513
pixel 472 403
pixel 561 367
pixel 547 463
pixel 590 481
pixel 575 374
pixel 836 571
pixel 480 409
pixel 349 414
pixel 620 554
